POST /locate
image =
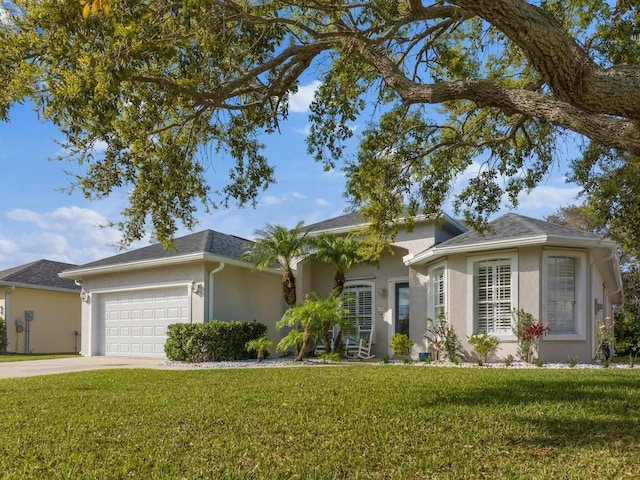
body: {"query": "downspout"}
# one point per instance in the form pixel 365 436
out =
pixel 593 316
pixel 7 310
pixel 211 275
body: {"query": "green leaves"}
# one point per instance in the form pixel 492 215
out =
pixel 441 87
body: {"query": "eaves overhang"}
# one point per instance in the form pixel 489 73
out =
pixel 436 252
pixel 78 273
pixel 38 287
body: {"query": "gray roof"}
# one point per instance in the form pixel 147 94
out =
pixel 511 226
pixel 207 241
pixel 354 219
pixel 347 220
pixel 41 273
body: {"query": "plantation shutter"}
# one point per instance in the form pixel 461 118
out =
pixel 492 287
pixel 437 292
pixel 360 306
pixel 561 294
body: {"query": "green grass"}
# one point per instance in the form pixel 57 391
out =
pixel 10 357
pixel 369 422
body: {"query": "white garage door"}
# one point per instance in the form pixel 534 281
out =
pixel 135 322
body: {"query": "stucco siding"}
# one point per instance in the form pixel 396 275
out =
pixel 529 266
pixel 55 324
pixel 248 295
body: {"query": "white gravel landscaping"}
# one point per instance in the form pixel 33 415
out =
pixel 313 362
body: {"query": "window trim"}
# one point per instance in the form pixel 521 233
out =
pixel 581 291
pixel 512 257
pixel 431 313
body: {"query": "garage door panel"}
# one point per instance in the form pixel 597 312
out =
pixel 135 323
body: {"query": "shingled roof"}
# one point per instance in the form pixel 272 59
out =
pixel 511 229
pixel 511 226
pixel 41 273
pixel 207 241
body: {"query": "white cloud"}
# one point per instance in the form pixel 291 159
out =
pixel 271 200
pixel 299 102
pixel 66 234
pixel 547 198
pixel 306 130
pixel 321 202
pixel 100 146
pixel 332 172
pixel 299 196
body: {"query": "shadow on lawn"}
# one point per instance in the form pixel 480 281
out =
pixel 560 411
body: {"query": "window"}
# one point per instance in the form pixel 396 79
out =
pixel 360 305
pixel 562 291
pixel 561 294
pixel 436 291
pixel 494 295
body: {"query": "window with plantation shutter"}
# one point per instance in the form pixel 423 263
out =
pixel 436 291
pixel 493 295
pixel 359 303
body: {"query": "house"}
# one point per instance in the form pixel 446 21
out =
pixel 129 299
pixel 567 278
pixel 42 310
pixel 382 292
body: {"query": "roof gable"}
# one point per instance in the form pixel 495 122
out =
pixel 41 273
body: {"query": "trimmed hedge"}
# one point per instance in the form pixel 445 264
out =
pixel 211 342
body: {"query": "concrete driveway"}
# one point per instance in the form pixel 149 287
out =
pixel 75 364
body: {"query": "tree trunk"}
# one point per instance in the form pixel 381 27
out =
pixel 306 341
pixel 289 288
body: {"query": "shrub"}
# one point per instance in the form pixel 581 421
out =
pixel 211 342
pixel 443 338
pixel 3 336
pixel 484 345
pixel 401 344
pixel 529 333
pixel 261 346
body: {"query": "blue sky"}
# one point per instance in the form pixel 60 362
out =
pixel 39 220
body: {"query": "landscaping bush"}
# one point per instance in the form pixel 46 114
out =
pixel 211 342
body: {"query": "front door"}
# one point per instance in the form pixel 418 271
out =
pixel 402 308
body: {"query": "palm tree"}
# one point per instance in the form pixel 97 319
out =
pixel 310 318
pixel 278 245
pixel 343 253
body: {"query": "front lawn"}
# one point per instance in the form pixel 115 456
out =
pixel 369 422
pixel 11 357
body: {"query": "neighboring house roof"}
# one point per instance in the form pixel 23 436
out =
pixel 350 221
pixel 511 230
pixel 207 245
pixel 42 274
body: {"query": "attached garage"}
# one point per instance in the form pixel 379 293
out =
pixel 130 299
pixel 135 322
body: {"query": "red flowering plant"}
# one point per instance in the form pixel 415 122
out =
pixel 529 333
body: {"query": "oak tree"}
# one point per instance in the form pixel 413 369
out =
pixel 444 83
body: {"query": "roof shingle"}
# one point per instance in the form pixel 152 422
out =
pixel 41 273
pixel 207 241
pixel 511 226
